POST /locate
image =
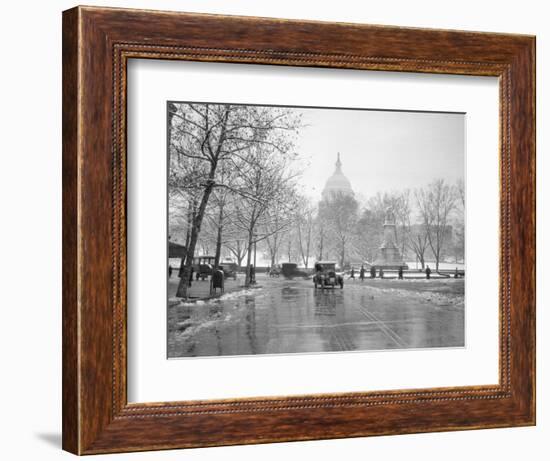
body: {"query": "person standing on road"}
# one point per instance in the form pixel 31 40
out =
pixel 381 273
pixel 400 273
pixel 362 273
pixel 191 270
pixel 428 272
pixel 252 275
pixel 372 272
pixel 352 274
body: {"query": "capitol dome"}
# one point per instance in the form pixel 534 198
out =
pixel 337 183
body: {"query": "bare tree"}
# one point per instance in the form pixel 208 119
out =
pixel 461 193
pixel 401 207
pixel 205 136
pixel 304 228
pixel 459 237
pixel 237 248
pixel 399 202
pixel 273 229
pixel 220 217
pixel 321 235
pixel 339 214
pixel 418 242
pixel 183 194
pixel 199 138
pixel 289 244
pixel 369 230
pixel 435 203
pixel 271 198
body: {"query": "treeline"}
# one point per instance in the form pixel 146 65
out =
pixel 429 224
pixel 230 176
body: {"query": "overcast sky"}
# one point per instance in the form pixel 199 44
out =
pixel 380 150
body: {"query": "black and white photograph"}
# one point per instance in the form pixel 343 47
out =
pixel 313 229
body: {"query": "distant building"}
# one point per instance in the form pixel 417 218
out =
pixel 337 183
pixel 336 187
pixel 175 250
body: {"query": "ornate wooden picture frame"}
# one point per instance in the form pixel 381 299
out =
pixel 97 44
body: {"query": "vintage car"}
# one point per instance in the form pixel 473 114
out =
pixel 203 266
pixel 290 270
pixel 275 271
pixel 326 276
pixel 229 269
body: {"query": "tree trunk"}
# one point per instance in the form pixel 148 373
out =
pixel 248 258
pixel 273 250
pixel 308 244
pixel 190 218
pixel 240 258
pixel 437 255
pixel 195 230
pixel 289 250
pixel 218 254
pixel 219 239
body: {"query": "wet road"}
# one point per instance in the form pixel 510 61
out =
pixel 289 316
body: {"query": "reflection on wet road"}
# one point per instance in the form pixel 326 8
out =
pixel 289 316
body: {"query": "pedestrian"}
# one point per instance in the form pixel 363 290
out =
pixel 428 272
pixel 362 273
pixel 400 273
pixel 170 271
pixel 352 274
pixel 190 275
pixel 456 272
pixel 381 273
pixel 372 272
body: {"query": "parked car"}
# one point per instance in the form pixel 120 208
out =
pixel 275 271
pixel 229 270
pixel 326 276
pixel 203 266
pixel 290 270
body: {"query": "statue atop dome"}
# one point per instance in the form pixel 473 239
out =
pixel 337 183
pixel 338 164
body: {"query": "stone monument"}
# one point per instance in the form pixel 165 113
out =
pixel 389 256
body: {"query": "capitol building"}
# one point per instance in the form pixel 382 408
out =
pixel 389 256
pixel 337 183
